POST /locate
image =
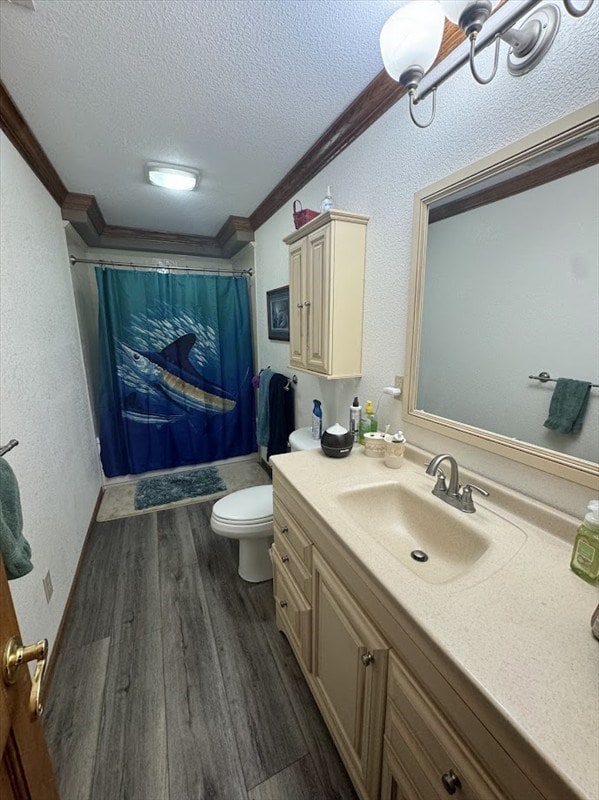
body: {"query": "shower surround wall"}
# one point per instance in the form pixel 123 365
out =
pixel 378 175
pixel 44 395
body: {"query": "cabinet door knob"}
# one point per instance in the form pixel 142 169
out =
pixel 284 529
pixel 307 303
pixel 367 659
pixel 300 305
pixel 284 559
pixel 451 782
pixel 283 603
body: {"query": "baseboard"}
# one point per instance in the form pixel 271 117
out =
pixel 58 640
pixel 266 467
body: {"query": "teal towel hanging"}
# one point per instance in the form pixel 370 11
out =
pixel 568 405
pixel 14 548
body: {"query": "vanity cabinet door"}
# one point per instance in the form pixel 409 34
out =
pixel 349 673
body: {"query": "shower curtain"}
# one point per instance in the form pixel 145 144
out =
pixel 175 370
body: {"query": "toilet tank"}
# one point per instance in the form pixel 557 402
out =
pixel 301 439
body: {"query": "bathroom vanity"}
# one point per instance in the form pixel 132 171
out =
pixel 473 673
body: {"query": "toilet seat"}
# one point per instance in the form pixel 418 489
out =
pixel 250 509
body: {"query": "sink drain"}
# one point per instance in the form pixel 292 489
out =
pixel 419 555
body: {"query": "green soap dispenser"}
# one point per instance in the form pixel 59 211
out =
pixel 585 556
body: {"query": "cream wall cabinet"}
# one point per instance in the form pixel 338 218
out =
pixel 326 294
pixel 403 719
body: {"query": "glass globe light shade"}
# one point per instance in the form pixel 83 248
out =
pixel 412 36
pixel 453 9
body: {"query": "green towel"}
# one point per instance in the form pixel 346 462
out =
pixel 568 404
pixel 14 548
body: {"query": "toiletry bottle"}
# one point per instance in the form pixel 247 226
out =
pixel 316 420
pixel 368 421
pixel 327 201
pixel 585 557
pixel 354 419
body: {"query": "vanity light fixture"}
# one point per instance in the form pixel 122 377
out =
pixel 411 38
pixel 170 176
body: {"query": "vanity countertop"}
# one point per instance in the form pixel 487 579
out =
pixel 522 634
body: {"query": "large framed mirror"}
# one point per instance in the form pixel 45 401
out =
pixel 504 290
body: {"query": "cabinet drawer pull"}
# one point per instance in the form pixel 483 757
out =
pixel 284 559
pixel 451 782
pixel 283 603
pixel 367 659
pixel 284 529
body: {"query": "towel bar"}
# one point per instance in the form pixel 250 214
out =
pixel 545 377
pixel 6 447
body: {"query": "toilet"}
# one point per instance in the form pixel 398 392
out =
pixel 246 515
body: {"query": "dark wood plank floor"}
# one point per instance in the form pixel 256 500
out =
pixel 173 682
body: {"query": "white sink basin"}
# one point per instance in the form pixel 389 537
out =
pixel 404 518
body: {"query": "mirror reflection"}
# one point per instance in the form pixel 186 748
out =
pixel 510 289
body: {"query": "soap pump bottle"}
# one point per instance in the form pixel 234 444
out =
pixel 368 423
pixel 316 420
pixel 585 556
pixel 354 419
pixel 327 202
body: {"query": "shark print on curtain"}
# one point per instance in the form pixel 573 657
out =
pixel 175 370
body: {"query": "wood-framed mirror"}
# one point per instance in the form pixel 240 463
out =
pixel 505 286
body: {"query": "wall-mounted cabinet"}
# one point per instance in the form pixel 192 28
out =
pixel 326 294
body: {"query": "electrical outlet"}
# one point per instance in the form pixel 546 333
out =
pixel 48 589
pixel 399 382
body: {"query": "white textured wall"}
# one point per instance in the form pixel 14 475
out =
pixel 378 175
pixel 43 391
pixel 523 269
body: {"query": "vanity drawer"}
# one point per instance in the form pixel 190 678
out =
pixel 287 530
pixel 287 556
pixel 432 752
pixel 294 614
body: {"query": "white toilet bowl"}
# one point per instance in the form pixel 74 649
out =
pixel 246 515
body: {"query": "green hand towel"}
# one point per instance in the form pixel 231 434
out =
pixel 14 548
pixel 568 405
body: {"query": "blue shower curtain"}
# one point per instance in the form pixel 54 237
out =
pixel 175 370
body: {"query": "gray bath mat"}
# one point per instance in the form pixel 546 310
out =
pixel 170 488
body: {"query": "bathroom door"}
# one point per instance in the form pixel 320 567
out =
pixel 25 768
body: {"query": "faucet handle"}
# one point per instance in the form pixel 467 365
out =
pixel 466 503
pixel 441 485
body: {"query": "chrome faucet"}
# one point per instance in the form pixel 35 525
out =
pixel 452 493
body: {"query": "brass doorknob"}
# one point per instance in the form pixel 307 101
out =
pixel 15 655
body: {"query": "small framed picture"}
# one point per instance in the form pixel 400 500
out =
pixel 277 309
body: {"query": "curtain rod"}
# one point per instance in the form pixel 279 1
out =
pixel 160 267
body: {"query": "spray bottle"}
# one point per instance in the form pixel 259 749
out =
pixel 316 420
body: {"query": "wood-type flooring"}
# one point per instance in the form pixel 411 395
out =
pixel 173 682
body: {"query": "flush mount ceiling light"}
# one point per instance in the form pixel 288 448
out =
pixel 170 176
pixel 411 38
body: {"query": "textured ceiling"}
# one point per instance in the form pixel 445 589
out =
pixel 237 88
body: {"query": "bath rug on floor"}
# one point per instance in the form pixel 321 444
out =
pixel 169 488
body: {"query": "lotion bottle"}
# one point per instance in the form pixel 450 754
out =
pixel 585 556
pixel 354 419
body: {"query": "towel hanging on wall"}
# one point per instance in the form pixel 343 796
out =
pixel 568 405
pixel 14 548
